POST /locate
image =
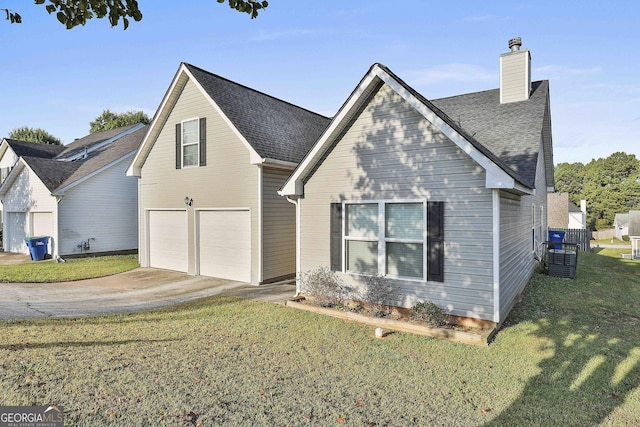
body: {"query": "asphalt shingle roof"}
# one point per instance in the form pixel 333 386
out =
pixel 275 129
pixel 512 132
pixel 23 148
pixel 57 174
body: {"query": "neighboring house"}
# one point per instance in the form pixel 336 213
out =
pixel 76 194
pixel 562 213
pixel 209 170
pixel 445 198
pixel 634 233
pixel 621 225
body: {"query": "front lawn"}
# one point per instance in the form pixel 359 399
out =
pixel 73 269
pixel 568 355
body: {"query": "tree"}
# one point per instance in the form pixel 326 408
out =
pixel 109 120
pixel 72 13
pixel 37 135
pixel 610 186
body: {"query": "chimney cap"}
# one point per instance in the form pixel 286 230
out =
pixel 515 43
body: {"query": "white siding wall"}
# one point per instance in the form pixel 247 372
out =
pixel 228 179
pixel 28 194
pixel 279 223
pixel 516 246
pixel 103 208
pixel 391 152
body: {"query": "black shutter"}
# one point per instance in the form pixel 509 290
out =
pixel 203 141
pixel 435 241
pixel 336 237
pixel 178 146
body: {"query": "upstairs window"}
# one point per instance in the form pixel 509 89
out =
pixel 191 143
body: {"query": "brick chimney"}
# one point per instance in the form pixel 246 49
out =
pixel 515 73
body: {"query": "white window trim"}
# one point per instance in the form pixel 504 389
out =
pixel 382 239
pixel 182 144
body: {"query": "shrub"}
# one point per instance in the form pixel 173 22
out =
pixel 430 313
pixel 323 286
pixel 378 293
pixel 625 238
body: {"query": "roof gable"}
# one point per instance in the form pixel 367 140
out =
pixel 496 162
pixel 271 129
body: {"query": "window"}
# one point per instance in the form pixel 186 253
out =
pixel 191 143
pixel 386 238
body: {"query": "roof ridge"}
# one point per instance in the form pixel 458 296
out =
pixel 255 90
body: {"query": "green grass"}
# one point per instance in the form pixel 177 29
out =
pixel 73 269
pixel 568 355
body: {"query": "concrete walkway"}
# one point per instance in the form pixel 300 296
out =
pixel 139 289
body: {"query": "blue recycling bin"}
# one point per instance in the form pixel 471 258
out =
pixel 37 247
pixel 556 236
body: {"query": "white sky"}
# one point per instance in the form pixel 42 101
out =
pixel 313 53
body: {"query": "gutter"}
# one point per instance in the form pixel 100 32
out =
pixel 274 162
pixel 296 202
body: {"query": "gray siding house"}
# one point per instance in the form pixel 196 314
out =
pixel 446 198
pixel 209 170
pixel 77 194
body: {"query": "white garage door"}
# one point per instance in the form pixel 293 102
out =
pixel 168 240
pixel 16 229
pixel 224 243
pixel 42 223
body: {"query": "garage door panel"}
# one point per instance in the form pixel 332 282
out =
pixel 16 228
pixel 168 240
pixel 224 241
pixel 42 223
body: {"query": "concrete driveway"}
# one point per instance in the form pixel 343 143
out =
pixel 139 289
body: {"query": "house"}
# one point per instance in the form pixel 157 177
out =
pixel 621 225
pixel 77 194
pixel 634 233
pixel 562 213
pixel 12 150
pixel 445 198
pixel 209 170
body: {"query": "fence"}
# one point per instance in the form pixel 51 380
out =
pixel 577 235
pixel 604 234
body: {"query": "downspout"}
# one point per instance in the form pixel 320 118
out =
pixel 296 202
pixel 496 255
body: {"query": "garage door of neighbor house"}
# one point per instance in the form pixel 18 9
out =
pixel 16 229
pixel 224 244
pixel 42 223
pixel 168 240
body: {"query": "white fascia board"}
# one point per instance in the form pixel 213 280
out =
pixel 61 191
pixel 253 155
pixel 280 164
pixel 8 182
pixel 294 185
pixel 178 82
pixel 495 176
